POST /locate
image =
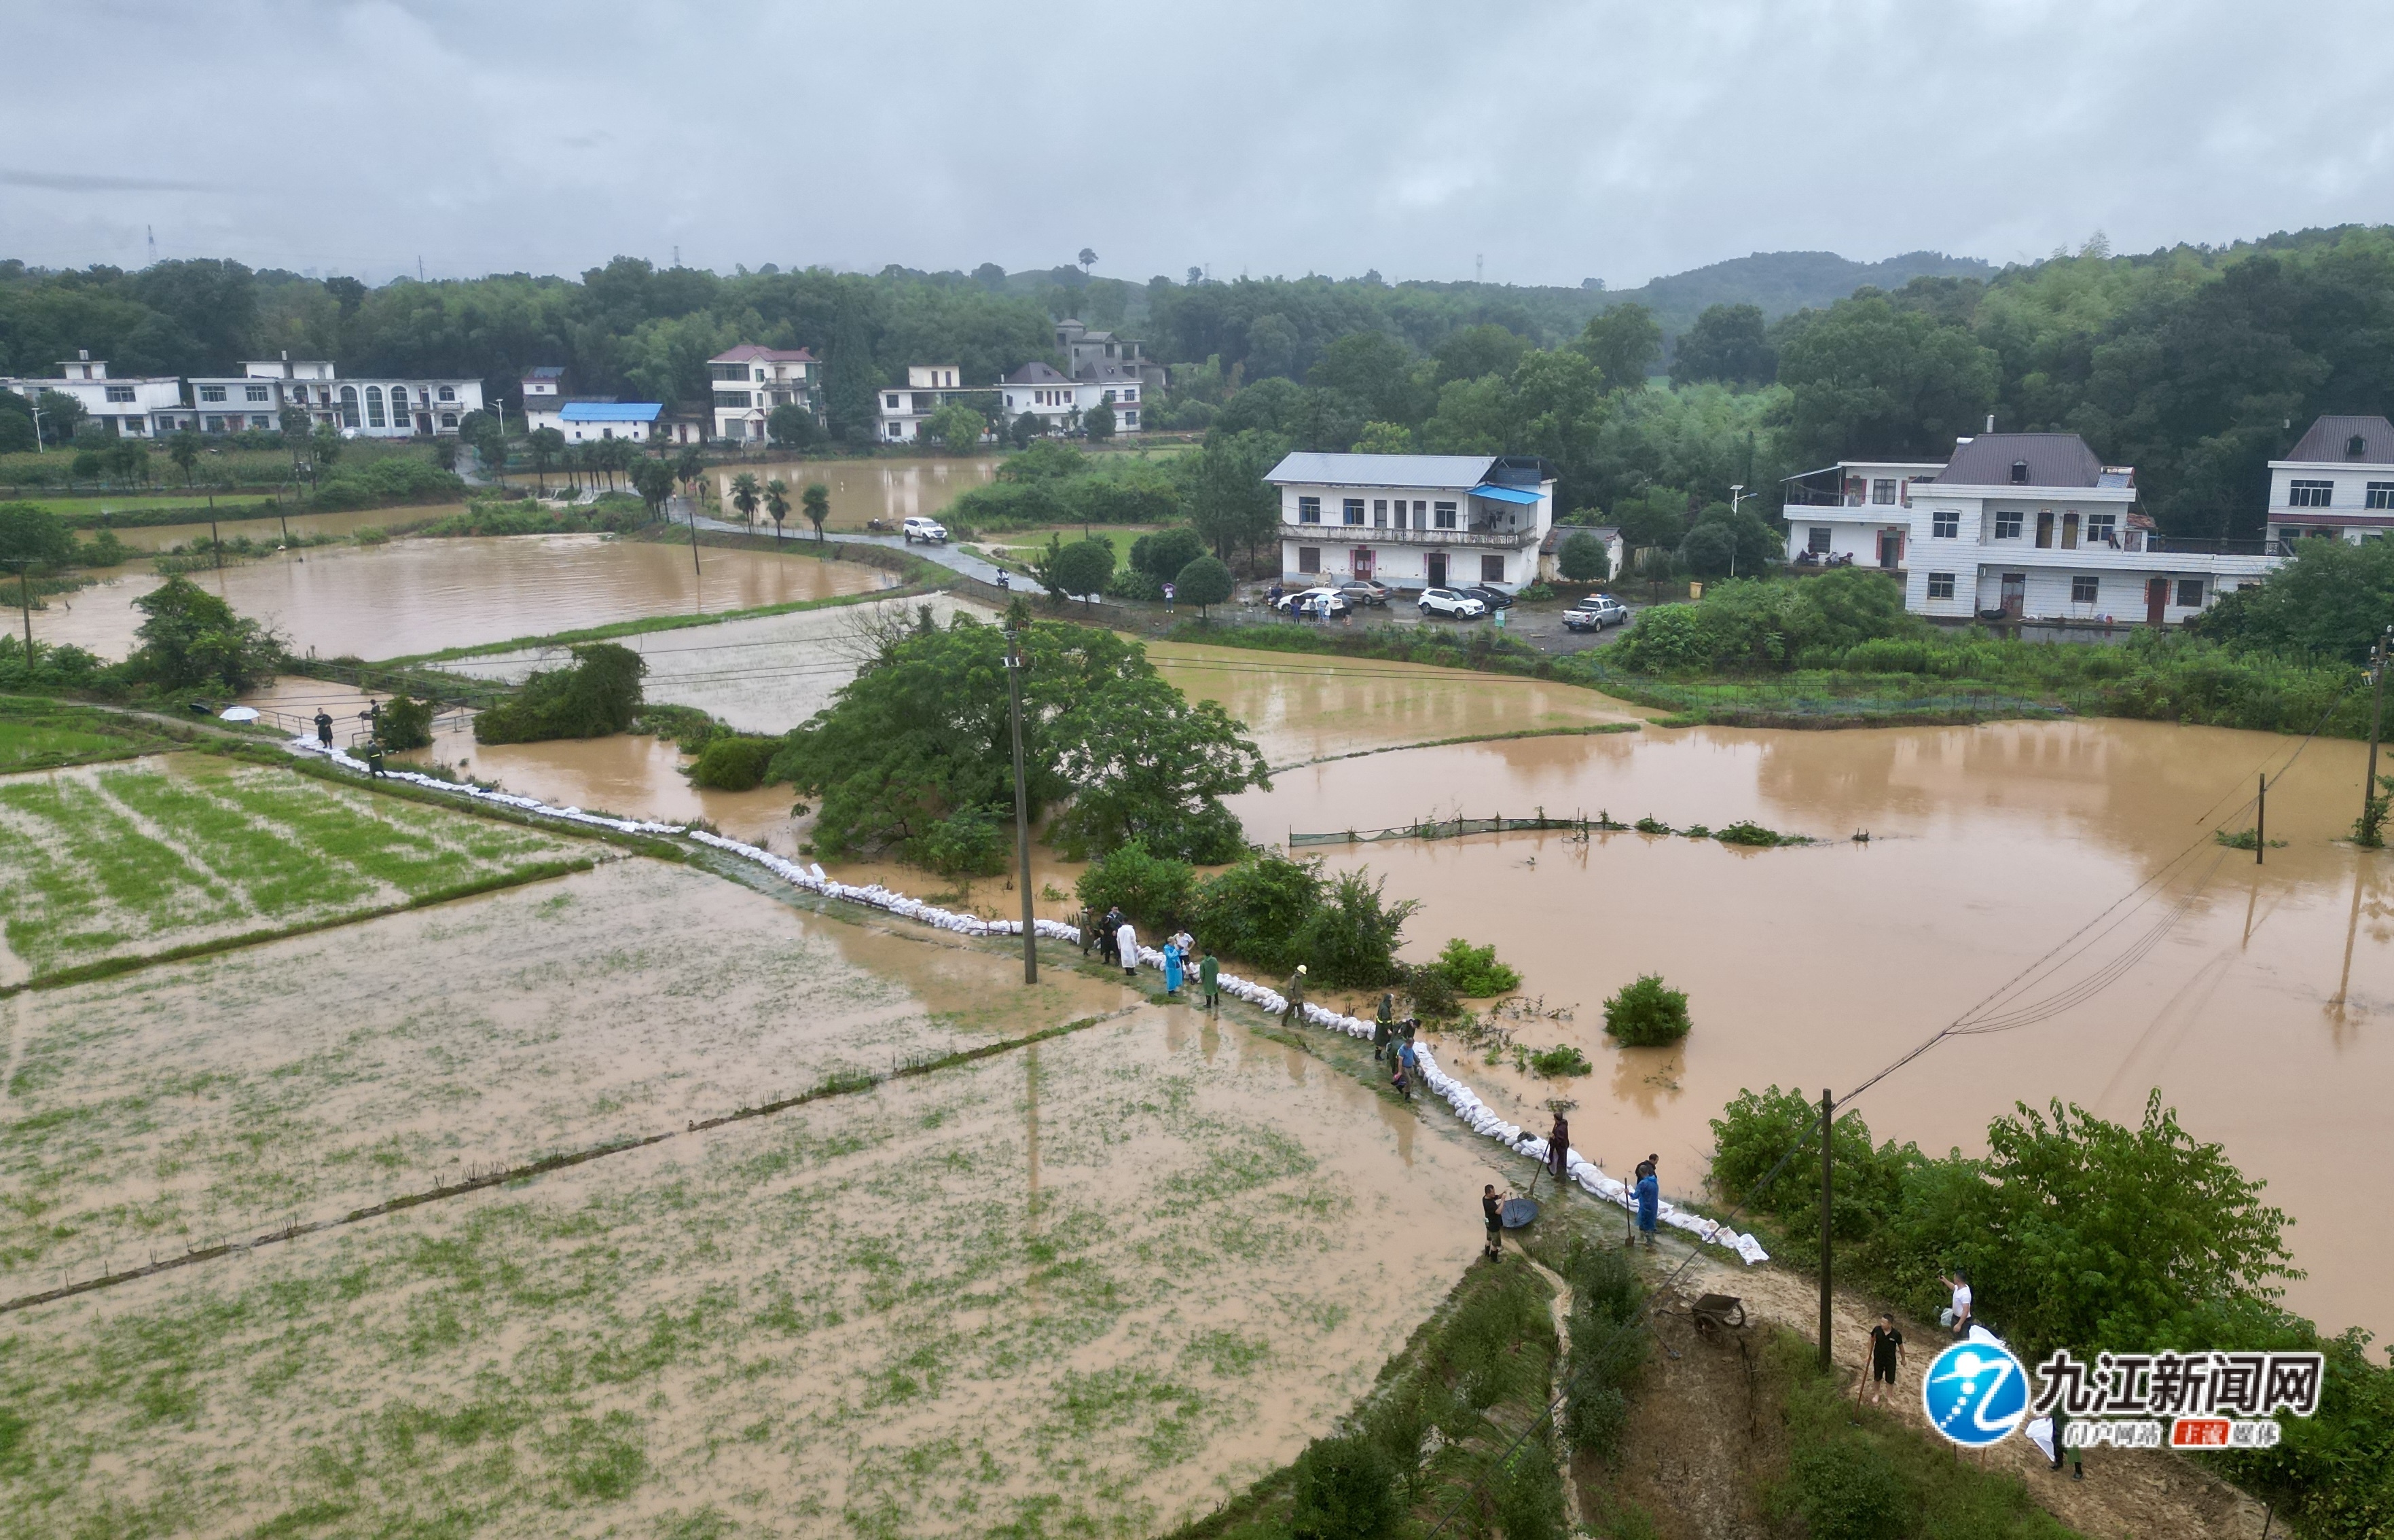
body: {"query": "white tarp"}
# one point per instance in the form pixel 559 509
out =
pixel 1454 1093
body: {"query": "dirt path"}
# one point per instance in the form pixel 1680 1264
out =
pixel 2143 1494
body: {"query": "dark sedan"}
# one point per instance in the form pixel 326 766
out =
pixel 1495 599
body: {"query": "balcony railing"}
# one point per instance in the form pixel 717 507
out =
pixel 1489 538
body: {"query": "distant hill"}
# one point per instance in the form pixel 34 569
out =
pixel 1781 281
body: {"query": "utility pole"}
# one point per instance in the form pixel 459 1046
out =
pixel 2261 821
pixel 1014 663
pixel 2376 709
pixel 1828 1110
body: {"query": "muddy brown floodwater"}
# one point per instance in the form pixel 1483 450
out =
pixel 160 537
pixel 420 596
pixel 863 490
pixel 2262 1013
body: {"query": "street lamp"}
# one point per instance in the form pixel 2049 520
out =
pixel 1737 493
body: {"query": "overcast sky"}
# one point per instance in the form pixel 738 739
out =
pixel 1558 141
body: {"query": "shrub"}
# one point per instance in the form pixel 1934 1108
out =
pixel 1133 584
pixel 970 842
pixel 1561 1060
pixel 1474 970
pixel 1155 891
pixel 1204 583
pixel 405 723
pixel 1745 832
pixel 1647 1013
pixel 1848 1490
pixel 1652 826
pixel 1433 993
pixel 1162 554
pixel 1258 910
pixel 734 762
pixel 191 638
pixel 1344 1489
pixel 1582 557
pixel 598 694
pixel 1351 939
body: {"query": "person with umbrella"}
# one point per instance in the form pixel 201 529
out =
pixel 325 728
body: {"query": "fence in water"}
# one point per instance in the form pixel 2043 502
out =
pixel 1448 828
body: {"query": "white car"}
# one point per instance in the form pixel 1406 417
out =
pixel 1454 606
pixel 928 531
pixel 1325 602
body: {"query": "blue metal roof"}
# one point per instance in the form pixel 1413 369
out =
pixel 1527 496
pixel 610 412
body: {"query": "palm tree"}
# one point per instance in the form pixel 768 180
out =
pixel 816 499
pixel 746 494
pixel 544 444
pixel 690 467
pixel 777 503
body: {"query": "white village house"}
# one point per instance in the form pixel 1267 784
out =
pixel 1414 521
pixel 750 380
pixel 380 408
pixel 139 407
pixel 2337 481
pixel 898 413
pixel 2024 525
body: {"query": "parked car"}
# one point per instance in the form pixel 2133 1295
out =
pixel 1495 599
pixel 1361 591
pixel 1328 602
pixel 928 531
pixel 1595 612
pixel 1451 604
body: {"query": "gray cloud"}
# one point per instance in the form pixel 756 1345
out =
pixel 1554 140
pixel 60 181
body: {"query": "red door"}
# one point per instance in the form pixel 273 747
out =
pixel 1359 562
pixel 2156 597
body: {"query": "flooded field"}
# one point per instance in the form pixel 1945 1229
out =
pixel 160 537
pixel 321 1073
pixel 2263 1013
pixel 1093 1287
pixel 862 490
pixel 420 596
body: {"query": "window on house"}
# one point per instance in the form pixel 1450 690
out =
pixel 2008 524
pixel 1442 515
pixel 1945 524
pixel 261 422
pixel 212 392
pixel 215 425
pixel 737 401
pixel 2381 494
pixel 2102 529
pixel 374 407
pixel 2019 473
pixel 1353 510
pixel 1308 560
pixel 1941 585
pixel 1379 513
pixel 120 392
pixel 448 392
pixel 254 392
pixel 1492 569
pixel 1816 540
pixel 448 419
pixel 760 376
pixel 2310 494
pixel 1309 510
pixel 2189 593
pixel 2082 590
pixel 1883 491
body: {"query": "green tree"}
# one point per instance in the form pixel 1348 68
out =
pixel 1229 503
pixel 1344 1489
pixel 1379 438
pixel 1162 555
pixel 128 460
pixel 1728 343
pixel 1080 569
pixel 1098 423
pixel 816 501
pixel 1204 582
pixel 599 693
pixel 1376 373
pixel 61 417
pixel 1647 1013
pixel 1027 428
pixel 746 494
pixel 2332 601
pixel 31 536
pixel 956 427
pixel 1474 352
pixel 793 426
pixel 688 466
pixel 184 450
pixel 543 445
pixel 1582 557
pixel 1868 379
pixel 193 639
pixel 654 479
pixel 777 503
pixel 1623 342
pixel 324 451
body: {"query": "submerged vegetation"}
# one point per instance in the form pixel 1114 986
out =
pixel 598 694
pixel 1264 910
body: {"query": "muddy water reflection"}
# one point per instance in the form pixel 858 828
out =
pixel 863 490
pixel 2263 1014
pixel 159 537
pixel 420 596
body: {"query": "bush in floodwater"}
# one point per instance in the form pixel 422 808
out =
pixel 1257 909
pixel 970 842
pixel 1561 1060
pixel 1745 832
pixel 599 695
pixel 1652 826
pixel 1346 1489
pixel 1350 940
pixel 1474 970
pixel 405 723
pixel 1155 891
pixel 734 762
pixel 1647 1013
pixel 1433 993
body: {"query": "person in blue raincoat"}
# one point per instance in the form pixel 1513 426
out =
pixel 1650 1202
pixel 1171 966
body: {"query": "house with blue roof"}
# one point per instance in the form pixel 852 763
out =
pixel 1414 521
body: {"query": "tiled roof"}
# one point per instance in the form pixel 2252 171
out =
pixel 1036 373
pixel 2053 460
pixel 755 352
pixel 2330 441
pixel 1459 472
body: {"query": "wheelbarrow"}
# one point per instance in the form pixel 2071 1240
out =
pixel 1716 1312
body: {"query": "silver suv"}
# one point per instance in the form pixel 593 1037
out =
pixel 928 531
pixel 1454 606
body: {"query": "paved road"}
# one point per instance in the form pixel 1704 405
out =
pixel 951 557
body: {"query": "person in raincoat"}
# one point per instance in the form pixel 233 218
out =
pixel 1209 979
pixel 1384 1026
pixel 1108 929
pixel 1559 1147
pixel 1126 948
pixel 374 758
pixel 1650 1202
pixel 324 726
pixel 1294 993
pixel 1172 966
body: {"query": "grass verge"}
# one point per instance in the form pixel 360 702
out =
pixel 37 733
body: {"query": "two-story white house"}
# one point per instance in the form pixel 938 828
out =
pixel 751 380
pixel 2338 480
pixel 2025 526
pixel 136 407
pixel 1055 399
pixel 900 414
pixel 385 408
pixel 1414 521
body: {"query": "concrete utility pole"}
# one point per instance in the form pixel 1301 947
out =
pixel 1828 1110
pixel 1014 664
pixel 2376 710
pixel 2261 821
